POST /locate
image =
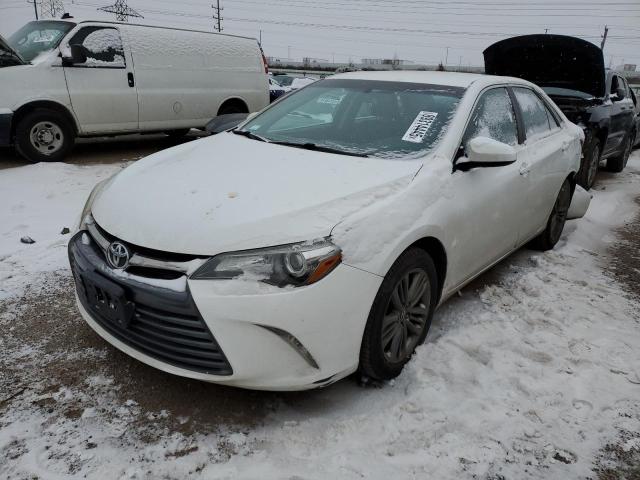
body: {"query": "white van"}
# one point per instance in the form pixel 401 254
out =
pixel 60 80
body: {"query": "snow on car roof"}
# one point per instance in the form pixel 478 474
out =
pixel 454 79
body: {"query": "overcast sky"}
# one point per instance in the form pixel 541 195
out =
pixel 417 30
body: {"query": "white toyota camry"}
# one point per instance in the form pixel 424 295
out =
pixel 317 238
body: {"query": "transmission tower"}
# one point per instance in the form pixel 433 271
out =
pixel 217 16
pixel 51 8
pixel 121 10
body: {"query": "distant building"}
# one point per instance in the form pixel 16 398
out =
pixel 385 61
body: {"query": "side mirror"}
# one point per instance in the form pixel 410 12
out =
pixel 485 152
pixel 621 94
pixel 74 55
pixel 222 123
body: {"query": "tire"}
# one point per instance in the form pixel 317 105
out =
pixel 232 107
pixel 618 163
pixel 44 136
pixel 392 332
pixel 555 224
pixel 589 168
pixel 178 133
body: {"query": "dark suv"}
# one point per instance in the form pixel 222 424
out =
pixel 572 72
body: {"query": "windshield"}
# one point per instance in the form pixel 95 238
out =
pixel 37 37
pixel 372 118
pixel 284 80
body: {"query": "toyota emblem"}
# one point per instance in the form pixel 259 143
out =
pixel 118 255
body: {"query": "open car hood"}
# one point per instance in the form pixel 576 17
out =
pixel 8 56
pixel 549 61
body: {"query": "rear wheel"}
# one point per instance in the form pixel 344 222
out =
pixel 618 163
pixel 44 136
pixel 590 163
pixel 178 133
pixel 232 107
pixel 555 224
pixel 400 316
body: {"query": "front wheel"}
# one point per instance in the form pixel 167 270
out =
pixel 555 224
pixel 44 136
pixel 400 316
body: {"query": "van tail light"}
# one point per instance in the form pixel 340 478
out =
pixel 264 62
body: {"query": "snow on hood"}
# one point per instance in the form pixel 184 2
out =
pixel 228 193
pixel 549 61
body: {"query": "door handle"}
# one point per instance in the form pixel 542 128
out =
pixel 132 82
pixel 524 169
pixel 565 146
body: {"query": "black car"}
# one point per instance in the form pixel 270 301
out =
pixel 572 72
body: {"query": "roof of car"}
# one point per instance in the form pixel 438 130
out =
pixel 454 79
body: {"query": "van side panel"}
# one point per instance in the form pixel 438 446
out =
pixel 183 77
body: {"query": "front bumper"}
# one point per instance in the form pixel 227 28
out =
pixel 6 118
pixel 327 319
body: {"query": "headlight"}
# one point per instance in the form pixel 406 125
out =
pixel 86 211
pixel 296 265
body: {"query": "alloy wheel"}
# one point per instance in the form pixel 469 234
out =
pixel 559 213
pixel 594 163
pixel 406 315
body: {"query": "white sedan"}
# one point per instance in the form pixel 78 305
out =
pixel 317 238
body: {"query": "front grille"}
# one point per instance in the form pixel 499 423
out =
pixel 165 325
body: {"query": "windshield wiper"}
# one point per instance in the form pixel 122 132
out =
pixel 320 148
pixel 248 134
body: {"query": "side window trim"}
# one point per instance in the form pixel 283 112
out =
pixel 96 27
pixel 515 106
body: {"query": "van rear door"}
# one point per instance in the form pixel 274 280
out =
pixel 102 89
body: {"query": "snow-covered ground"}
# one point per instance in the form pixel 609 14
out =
pixel 527 374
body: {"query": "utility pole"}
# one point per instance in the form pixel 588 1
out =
pixel 35 7
pixel 121 10
pixel 217 16
pixel 260 37
pixel 446 58
pixel 546 30
pixel 51 8
pixel 604 37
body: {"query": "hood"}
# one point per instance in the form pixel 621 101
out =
pixel 228 192
pixel 8 56
pixel 549 61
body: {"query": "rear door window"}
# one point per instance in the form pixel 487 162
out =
pixel 493 117
pixel 535 115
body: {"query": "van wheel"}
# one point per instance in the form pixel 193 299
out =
pixel 555 224
pixel 232 107
pixel 589 169
pixel 617 164
pixel 178 133
pixel 400 316
pixel 44 136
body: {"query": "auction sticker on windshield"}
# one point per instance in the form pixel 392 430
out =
pixel 420 126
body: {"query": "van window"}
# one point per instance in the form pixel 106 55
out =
pixel 103 46
pixel 535 115
pixel 493 117
pixel 39 37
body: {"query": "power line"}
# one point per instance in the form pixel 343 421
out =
pixel 121 10
pixel 217 16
